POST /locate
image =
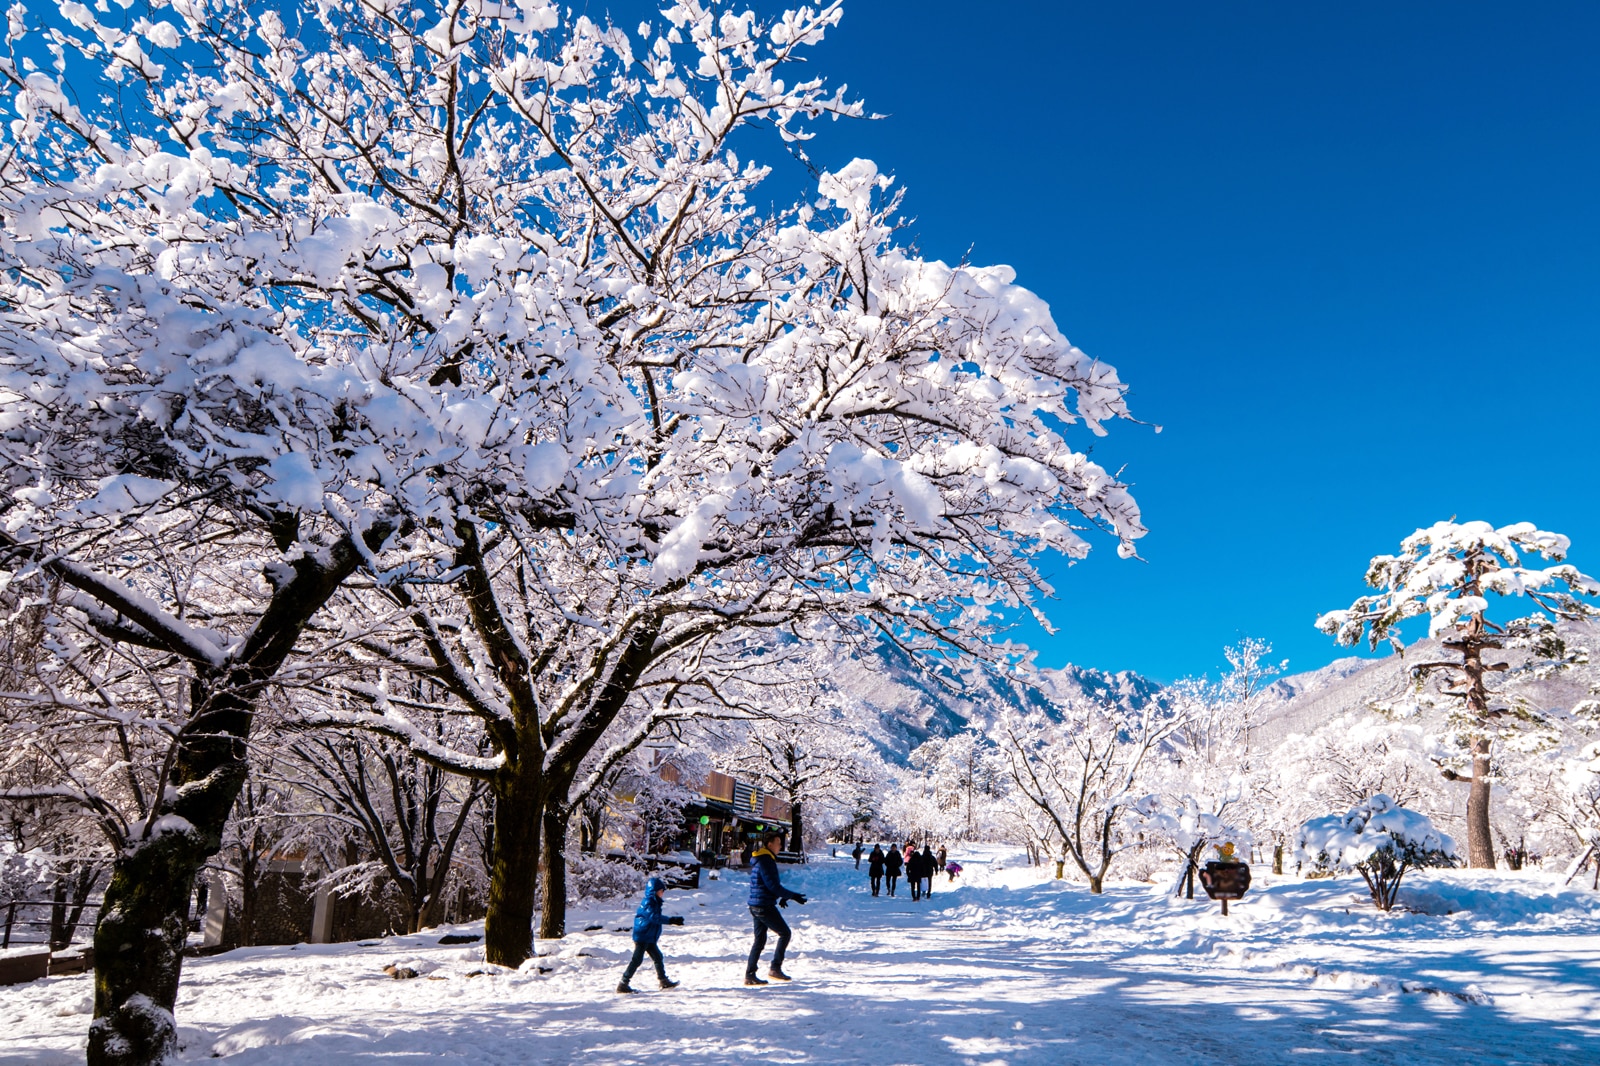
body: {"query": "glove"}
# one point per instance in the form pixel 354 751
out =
pixel 783 902
pixel 676 919
pixel 800 899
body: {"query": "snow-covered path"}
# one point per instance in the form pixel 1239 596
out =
pixel 1002 969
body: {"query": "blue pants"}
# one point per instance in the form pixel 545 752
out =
pixel 639 951
pixel 767 918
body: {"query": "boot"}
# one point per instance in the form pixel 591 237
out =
pixel 752 979
pixel 667 983
pixel 622 986
pixel 778 975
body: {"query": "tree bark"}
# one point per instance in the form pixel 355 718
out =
pixel 1480 842
pixel 553 874
pixel 514 872
pixel 138 943
pixel 796 828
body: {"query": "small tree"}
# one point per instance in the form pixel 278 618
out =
pixel 1379 840
pixel 1445 572
pixel 1080 773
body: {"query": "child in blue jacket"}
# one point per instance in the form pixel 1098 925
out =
pixel 647 922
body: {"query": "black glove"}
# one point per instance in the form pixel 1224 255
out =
pixel 800 898
pixel 676 919
pixel 783 902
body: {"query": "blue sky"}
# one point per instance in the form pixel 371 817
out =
pixel 1346 254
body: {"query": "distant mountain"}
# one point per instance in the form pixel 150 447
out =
pixel 913 701
pixel 1301 704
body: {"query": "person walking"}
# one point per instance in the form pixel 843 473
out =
pixel 914 874
pixel 891 868
pixel 857 854
pixel 767 894
pixel 943 858
pixel 647 922
pixel 927 867
pixel 875 868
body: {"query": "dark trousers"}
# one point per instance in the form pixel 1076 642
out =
pixel 877 883
pixel 927 885
pixel 916 887
pixel 639 951
pixel 768 918
pixel 892 879
pixel 858 862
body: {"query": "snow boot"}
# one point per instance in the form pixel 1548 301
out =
pixel 667 983
pixel 752 979
pixel 623 987
pixel 778 975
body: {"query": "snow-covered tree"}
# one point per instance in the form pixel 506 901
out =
pixel 1447 572
pixel 1209 782
pixel 472 294
pixel 408 814
pixel 1082 769
pixel 965 783
pixel 1377 838
pixel 809 757
pixel 636 414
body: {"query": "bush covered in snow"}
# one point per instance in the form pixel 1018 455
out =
pixel 1378 839
pixel 596 878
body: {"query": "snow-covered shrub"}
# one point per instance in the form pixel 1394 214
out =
pixel 1379 840
pixel 595 878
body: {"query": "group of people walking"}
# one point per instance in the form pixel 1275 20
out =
pixel 767 894
pixel 919 867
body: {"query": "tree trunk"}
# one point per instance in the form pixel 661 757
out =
pixel 1480 843
pixel 553 875
pixel 1096 885
pixel 138 944
pixel 1277 858
pixel 514 871
pixel 796 828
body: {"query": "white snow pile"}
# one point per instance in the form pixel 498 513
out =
pixel 1000 967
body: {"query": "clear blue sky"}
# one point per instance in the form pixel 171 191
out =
pixel 1347 254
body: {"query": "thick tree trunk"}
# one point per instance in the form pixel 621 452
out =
pixel 1480 842
pixel 553 876
pixel 514 872
pixel 138 944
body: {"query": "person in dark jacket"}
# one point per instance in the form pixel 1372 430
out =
pixel 943 858
pixel 891 868
pixel 647 922
pixel 928 868
pixel 856 854
pixel 767 894
pixel 875 868
pixel 914 874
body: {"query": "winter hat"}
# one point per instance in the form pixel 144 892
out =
pixel 651 885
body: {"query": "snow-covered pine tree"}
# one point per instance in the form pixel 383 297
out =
pixel 1447 572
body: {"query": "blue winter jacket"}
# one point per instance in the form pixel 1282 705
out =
pixel 647 919
pixel 765 888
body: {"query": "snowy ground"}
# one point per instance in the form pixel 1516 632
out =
pixel 1002 969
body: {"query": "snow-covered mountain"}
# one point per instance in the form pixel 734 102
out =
pixel 1303 703
pixel 913 701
